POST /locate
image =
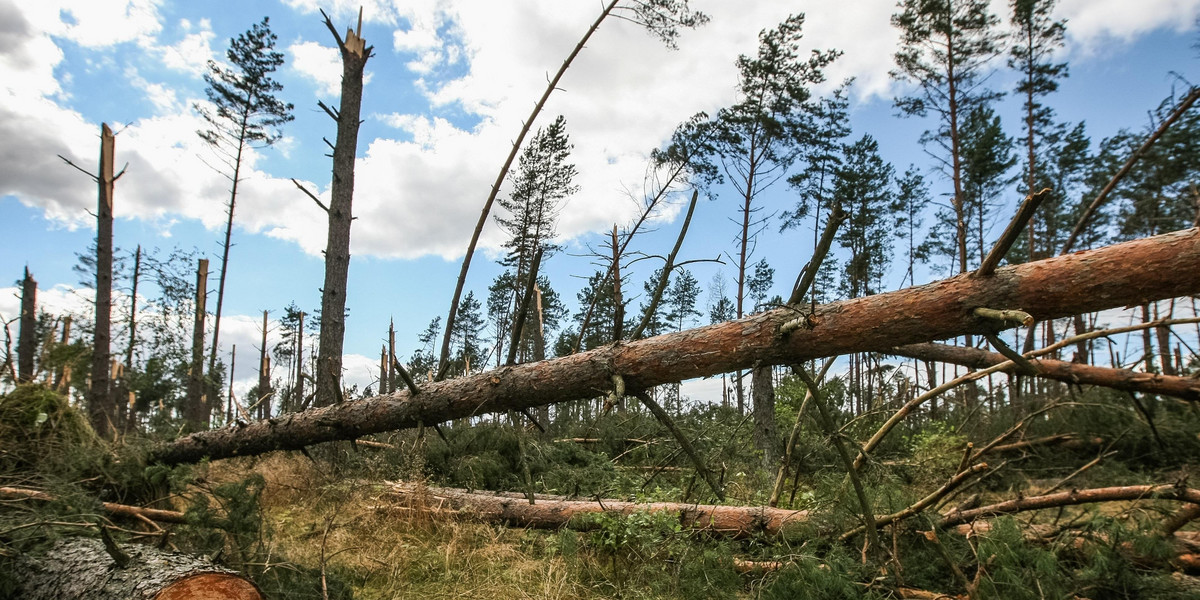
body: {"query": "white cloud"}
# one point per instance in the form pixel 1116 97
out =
pixel 192 53
pixel 322 65
pixel 96 23
pixel 1095 22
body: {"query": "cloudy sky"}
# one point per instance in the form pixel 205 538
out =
pixel 447 89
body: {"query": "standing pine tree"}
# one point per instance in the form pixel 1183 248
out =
pixel 987 158
pixel 242 113
pixel 912 197
pixel 1036 39
pixel 542 180
pixel 945 48
pixel 761 136
pixel 863 185
pixel 863 188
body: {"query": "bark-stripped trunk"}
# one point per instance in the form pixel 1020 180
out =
pixel 27 338
pixel 337 247
pixel 81 569
pixel 557 511
pixel 102 409
pixel 1152 268
pixel 1121 379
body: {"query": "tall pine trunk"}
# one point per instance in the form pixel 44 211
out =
pixel 337 248
pixel 101 407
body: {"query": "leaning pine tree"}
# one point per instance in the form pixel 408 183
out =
pixel 242 113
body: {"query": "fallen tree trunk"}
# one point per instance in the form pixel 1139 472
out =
pixel 734 521
pixel 81 569
pixel 1074 497
pixel 1124 274
pixel 1121 379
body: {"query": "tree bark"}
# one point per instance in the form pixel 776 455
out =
pixel 337 247
pixel 762 395
pixel 1074 497
pixel 81 569
pixel 1069 372
pixel 1153 268
pixel 550 512
pixel 27 338
pixel 101 407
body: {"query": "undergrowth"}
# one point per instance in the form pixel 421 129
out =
pixel 327 526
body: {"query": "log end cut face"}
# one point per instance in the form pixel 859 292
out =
pixel 210 586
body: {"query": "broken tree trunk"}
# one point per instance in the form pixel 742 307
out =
pixel 196 409
pixel 1152 268
pixel 1121 379
pixel 355 53
pixel 82 569
pixel 102 408
pixel 552 513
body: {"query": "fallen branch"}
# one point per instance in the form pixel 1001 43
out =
pixel 124 510
pixel 1130 273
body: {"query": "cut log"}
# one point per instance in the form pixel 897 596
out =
pixel 1121 379
pixel 733 521
pixel 1124 274
pixel 81 569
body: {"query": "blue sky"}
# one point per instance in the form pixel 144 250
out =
pixel 448 86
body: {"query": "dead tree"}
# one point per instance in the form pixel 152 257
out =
pixel 196 408
pixel 101 406
pixel 1152 268
pixel 264 375
pixel 354 53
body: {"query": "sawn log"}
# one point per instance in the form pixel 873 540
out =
pixel 81 569
pixel 1127 274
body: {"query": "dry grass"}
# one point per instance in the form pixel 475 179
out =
pixel 385 554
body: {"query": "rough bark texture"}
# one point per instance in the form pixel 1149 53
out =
pixel 763 399
pixel 1120 275
pixel 102 410
pixel 554 512
pixel 27 338
pixel 337 246
pixel 80 569
pixel 1121 379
